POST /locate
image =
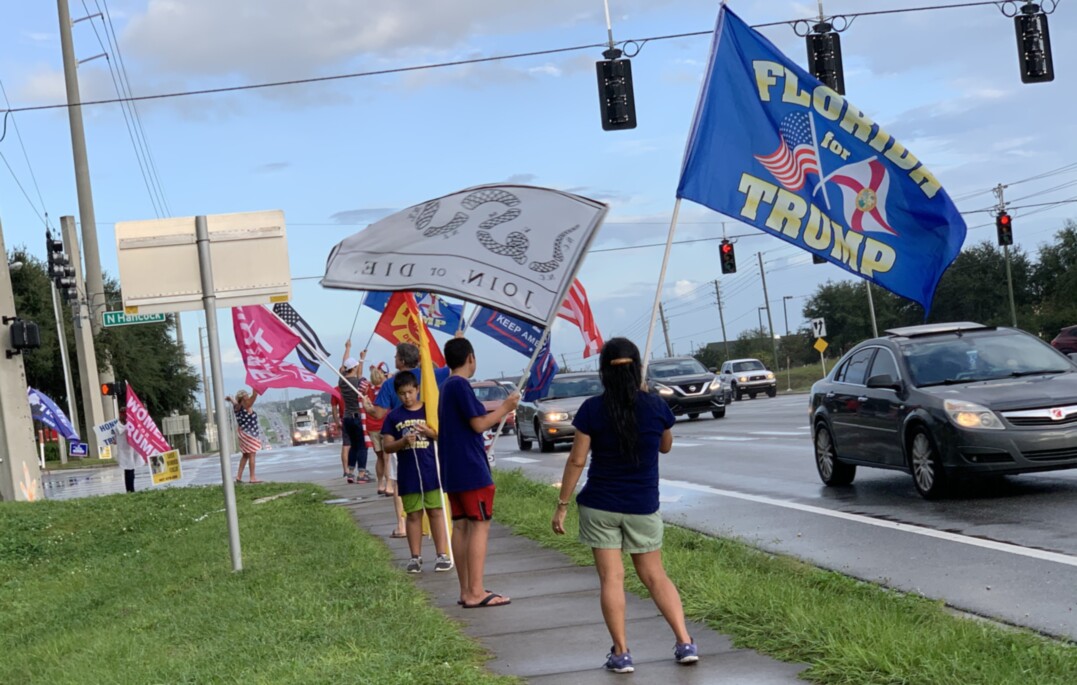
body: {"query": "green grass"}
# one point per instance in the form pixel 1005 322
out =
pixel 79 464
pixel 139 589
pixel 849 632
pixel 800 378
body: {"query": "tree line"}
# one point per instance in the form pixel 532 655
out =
pixel 974 288
pixel 146 355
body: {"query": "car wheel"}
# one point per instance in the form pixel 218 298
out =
pixel 752 395
pixel 718 414
pixel 544 444
pixel 693 416
pixel 737 394
pixel 831 470
pixel 772 392
pixel 928 475
pixel 523 443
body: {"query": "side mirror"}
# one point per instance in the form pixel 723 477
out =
pixel 884 381
pixel 1073 356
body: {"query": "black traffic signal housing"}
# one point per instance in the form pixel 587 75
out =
pixel 1004 227
pixel 824 56
pixel 24 335
pixel 1034 44
pixel 60 270
pixel 816 259
pixel 728 257
pixel 616 98
pixel 110 389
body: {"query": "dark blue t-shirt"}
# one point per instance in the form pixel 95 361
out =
pixel 616 483
pixel 387 397
pixel 416 469
pixel 463 458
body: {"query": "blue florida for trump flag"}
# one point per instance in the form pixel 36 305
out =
pixel 775 148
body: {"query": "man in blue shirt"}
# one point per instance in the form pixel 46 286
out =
pixel 407 359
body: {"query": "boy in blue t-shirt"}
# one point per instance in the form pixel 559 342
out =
pixel 406 433
pixel 465 473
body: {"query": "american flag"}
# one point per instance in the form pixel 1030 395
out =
pixel 310 341
pixel 795 157
pixel 576 309
pixel 247 422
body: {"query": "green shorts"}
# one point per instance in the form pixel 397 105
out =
pixel 417 501
pixel 633 533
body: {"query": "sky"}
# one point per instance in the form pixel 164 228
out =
pixel 337 155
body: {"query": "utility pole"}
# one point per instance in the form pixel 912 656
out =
pixel 69 385
pixel 721 315
pixel 999 190
pixel 87 358
pixel 211 426
pixel 665 329
pixel 95 289
pixel 785 312
pixel 19 470
pixel 766 300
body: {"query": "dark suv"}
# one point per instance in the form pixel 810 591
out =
pixel 686 386
pixel 1066 340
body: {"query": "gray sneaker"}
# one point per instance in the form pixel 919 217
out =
pixel 415 565
pixel 443 563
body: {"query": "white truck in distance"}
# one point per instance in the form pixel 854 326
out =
pixel 304 429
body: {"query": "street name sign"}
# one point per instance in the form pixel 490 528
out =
pixel 125 319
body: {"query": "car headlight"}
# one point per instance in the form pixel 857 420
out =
pixel 297 436
pixel 716 384
pixel 554 416
pixel 972 415
pixel 770 375
pixel 743 379
pixel 663 390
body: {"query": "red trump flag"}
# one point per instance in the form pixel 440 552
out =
pixel 264 341
pixel 400 323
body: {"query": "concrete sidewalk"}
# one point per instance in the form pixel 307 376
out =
pixel 553 632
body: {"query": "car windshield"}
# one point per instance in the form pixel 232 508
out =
pixel 980 356
pixel 750 365
pixel 302 424
pixel 578 386
pixel 490 393
pixel 679 367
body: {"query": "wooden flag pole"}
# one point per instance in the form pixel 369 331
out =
pixel 658 290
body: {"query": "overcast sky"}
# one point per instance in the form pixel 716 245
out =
pixel 337 155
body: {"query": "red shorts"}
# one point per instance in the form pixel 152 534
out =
pixel 473 505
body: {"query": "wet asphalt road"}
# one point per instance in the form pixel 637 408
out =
pixel 1004 548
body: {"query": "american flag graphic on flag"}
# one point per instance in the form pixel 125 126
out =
pixel 795 157
pixel 577 310
pixel 309 339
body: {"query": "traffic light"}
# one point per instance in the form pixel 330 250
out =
pixel 615 95
pixel 729 258
pixel 1004 226
pixel 824 56
pixel 110 389
pixel 60 270
pixel 1034 44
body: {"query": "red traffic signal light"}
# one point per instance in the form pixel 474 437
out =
pixel 108 389
pixel 1004 228
pixel 728 257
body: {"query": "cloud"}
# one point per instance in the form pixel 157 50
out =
pixel 521 179
pixel 683 287
pixel 273 166
pixel 361 216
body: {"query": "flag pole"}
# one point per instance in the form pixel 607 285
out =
pixel 362 300
pixel 520 384
pixel 661 281
pixel 319 355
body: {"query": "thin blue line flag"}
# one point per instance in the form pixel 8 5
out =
pixel 775 148
pixel 43 409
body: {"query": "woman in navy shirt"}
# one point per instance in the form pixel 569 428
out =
pixel 624 429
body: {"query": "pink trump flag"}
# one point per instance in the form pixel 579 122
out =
pixel 142 432
pixel 264 341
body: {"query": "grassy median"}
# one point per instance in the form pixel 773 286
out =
pixel 139 589
pixel 848 631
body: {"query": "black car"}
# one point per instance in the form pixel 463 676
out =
pixel 945 399
pixel 686 386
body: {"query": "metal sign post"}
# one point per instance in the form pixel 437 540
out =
pixel 209 301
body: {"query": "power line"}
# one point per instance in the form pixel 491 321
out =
pixel 638 43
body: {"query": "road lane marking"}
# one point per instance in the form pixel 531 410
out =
pixel 678 443
pixel 1009 548
pixel 723 438
pixel 520 460
pixel 798 434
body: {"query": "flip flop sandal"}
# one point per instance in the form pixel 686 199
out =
pixel 485 603
pixel 395 534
